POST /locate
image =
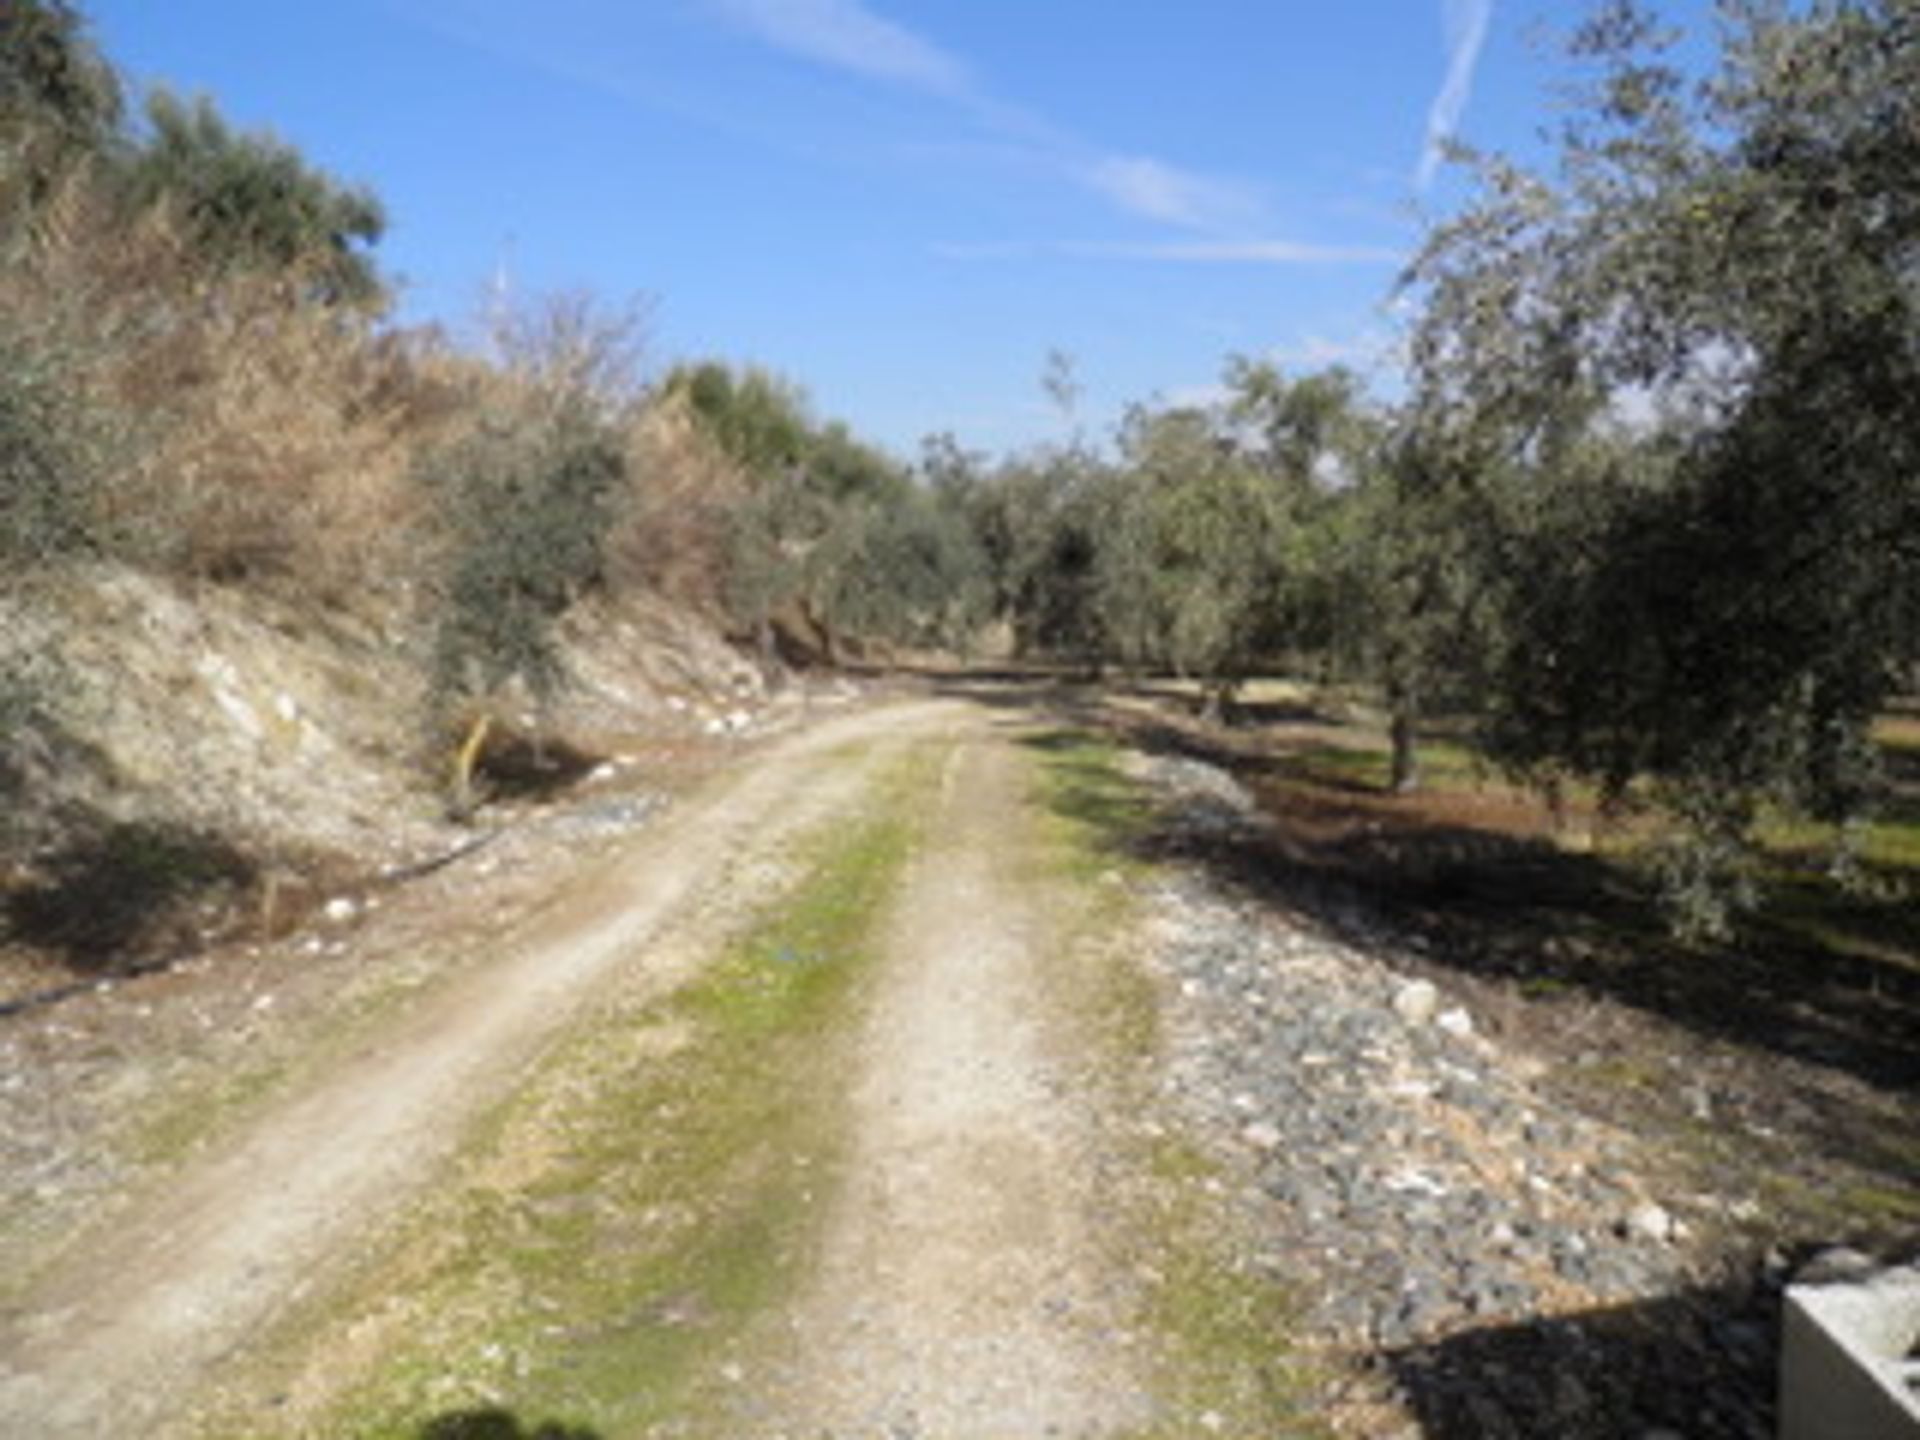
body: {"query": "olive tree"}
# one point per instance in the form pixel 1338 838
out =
pixel 1686 363
pixel 523 499
pixel 251 202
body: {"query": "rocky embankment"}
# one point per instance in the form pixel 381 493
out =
pixel 1498 1263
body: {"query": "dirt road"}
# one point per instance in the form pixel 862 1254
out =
pixel 892 1084
pixel 121 1334
pixel 959 1292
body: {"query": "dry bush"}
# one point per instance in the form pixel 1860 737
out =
pixel 573 343
pixel 273 436
pixel 279 442
pixel 674 539
pixel 276 459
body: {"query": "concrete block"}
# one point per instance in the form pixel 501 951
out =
pixel 1847 1366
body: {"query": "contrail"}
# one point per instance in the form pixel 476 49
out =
pixel 1466 22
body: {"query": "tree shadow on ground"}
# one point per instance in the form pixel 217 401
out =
pixel 1701 1363
pixel 119 892
pixel 493 1423
pixel 1783 1065
pixel 1519 908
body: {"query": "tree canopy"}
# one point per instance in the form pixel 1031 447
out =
pixel 1680 370
pixel 252 202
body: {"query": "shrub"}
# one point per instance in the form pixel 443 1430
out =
pixel 677 535
pixel 524 501
pixel 277 456
pixel 57 445
pixel 272 438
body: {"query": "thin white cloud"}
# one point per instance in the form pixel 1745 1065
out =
pixel 1240 252
pixel 1154 190
pixel 851 36
pixel 1467 22
pixel 1173 252
pixel 847 35
pixel 1223 215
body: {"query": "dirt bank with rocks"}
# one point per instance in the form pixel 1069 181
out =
pixel 1493 1261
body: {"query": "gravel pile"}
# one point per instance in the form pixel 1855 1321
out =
pixel 1432 1206
pixel 1427 1183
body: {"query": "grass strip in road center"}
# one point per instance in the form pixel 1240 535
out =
pixel 616 1223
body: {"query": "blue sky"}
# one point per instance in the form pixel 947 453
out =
pixel 901 204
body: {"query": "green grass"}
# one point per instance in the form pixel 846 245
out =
pixel 1890 841
pixel 1875 920
pixel 616 1223
pixel 1226 1325
pixel 1869 1211
pixel 1444 764
pixel 1882 928
pixel 1094 816
pixel 178 1126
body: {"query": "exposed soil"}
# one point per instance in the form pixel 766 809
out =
pixel 115 1335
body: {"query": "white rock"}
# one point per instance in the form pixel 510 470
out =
pixel 340 910
pixel 600 774
pixel 1414 1182
pixel 1650 1222
pixel 1416 1001
pixel 1456 1022
pixel 738 720
pixel 1261 1135
pixel 1837 1264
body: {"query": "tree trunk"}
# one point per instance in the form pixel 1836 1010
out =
pixel 1406 754
pixel 461 798
pixel 1216 702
